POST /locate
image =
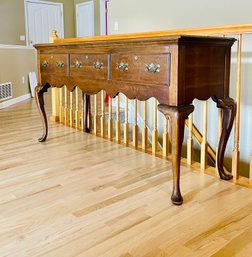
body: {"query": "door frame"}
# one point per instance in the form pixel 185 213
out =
pixel 41 2
pixel 104 17
pixel 76 20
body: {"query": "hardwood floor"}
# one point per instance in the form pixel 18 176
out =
pixel 80 195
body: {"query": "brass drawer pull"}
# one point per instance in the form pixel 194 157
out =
pixel 60 64
pixel 98 65
pixel 152 68
pixel 45 64
pixel 77 64
pixel 122 66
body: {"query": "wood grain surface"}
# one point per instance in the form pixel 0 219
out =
pixel 79 195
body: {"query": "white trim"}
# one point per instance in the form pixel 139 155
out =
pixel 14 101
pixel 16 47
pixel 76 13
pixel 108 3
pixel 42 2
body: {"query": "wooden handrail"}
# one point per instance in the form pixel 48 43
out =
pixel 215 30
pixel 236 152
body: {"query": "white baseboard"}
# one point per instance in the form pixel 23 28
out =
pixel 14 101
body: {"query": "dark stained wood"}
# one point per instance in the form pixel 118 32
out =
pixel 228 114
pixel 137 68
pixel 39 96
pixel 177 115
pixel 91 66
pixel 54 63
pixel 190 57
pixel 204 72
pixel 174 70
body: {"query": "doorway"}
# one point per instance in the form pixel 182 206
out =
pixel 42 18
pixel 85 19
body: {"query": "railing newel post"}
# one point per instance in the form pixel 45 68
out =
pixel 236 151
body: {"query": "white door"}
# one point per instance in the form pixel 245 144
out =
pixel 85 19
pixel 41 19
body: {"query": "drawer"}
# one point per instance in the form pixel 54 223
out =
pixel 89 66
pixel 54 63
pixel 146 68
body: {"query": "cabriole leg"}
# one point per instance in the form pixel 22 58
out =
pixel 229 110
pixel 177 115
pixel 39 96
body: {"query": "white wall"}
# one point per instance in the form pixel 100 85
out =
pixel 16 63
pixel 147 15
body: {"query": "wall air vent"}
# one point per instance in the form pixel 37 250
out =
pixel 5 91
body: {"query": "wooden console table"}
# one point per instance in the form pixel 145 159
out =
pixel 173 69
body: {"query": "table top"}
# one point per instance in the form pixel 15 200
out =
pixel 154 37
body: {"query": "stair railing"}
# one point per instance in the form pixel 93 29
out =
pixel 108 123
